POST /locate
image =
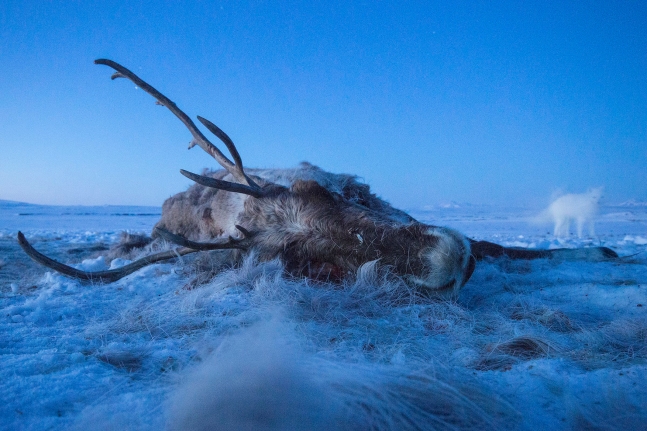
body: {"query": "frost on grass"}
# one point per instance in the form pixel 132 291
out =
pixel 559 345
pixel 312 356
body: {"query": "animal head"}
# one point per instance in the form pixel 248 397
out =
pixel 596 193
pixel 317 231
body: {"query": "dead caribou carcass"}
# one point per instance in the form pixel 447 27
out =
pixel 320 225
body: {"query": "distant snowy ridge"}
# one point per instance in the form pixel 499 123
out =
pixel 103 209
pixel 450 205
pixel 633 203
pixel 93 213
pixel 5 203
pixel 15 216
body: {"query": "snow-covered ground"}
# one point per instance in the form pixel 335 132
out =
pixel 527 345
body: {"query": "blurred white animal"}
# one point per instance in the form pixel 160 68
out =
pixel 580 208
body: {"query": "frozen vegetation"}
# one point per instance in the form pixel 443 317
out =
pixel 527 345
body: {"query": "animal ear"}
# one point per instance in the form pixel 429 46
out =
pixel 311 190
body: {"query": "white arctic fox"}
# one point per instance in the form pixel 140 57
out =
pixel 580 208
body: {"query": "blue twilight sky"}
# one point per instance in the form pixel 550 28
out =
pixel 429 102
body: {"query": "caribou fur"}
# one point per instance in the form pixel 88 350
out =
pixel 322 226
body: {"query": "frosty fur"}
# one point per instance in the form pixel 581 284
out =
pixel 322 226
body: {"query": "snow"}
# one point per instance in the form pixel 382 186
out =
pixel 527 345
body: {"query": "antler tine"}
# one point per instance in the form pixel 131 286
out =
pixel 231 243
pixel 198 137
pixel 225 139
pixel 108 276
pixel 230 146
pixel 223 185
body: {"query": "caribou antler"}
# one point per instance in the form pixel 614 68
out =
pixel 245 184
pixel 113 275
pixel 231 243
pixel 222 185
pixel 108 276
